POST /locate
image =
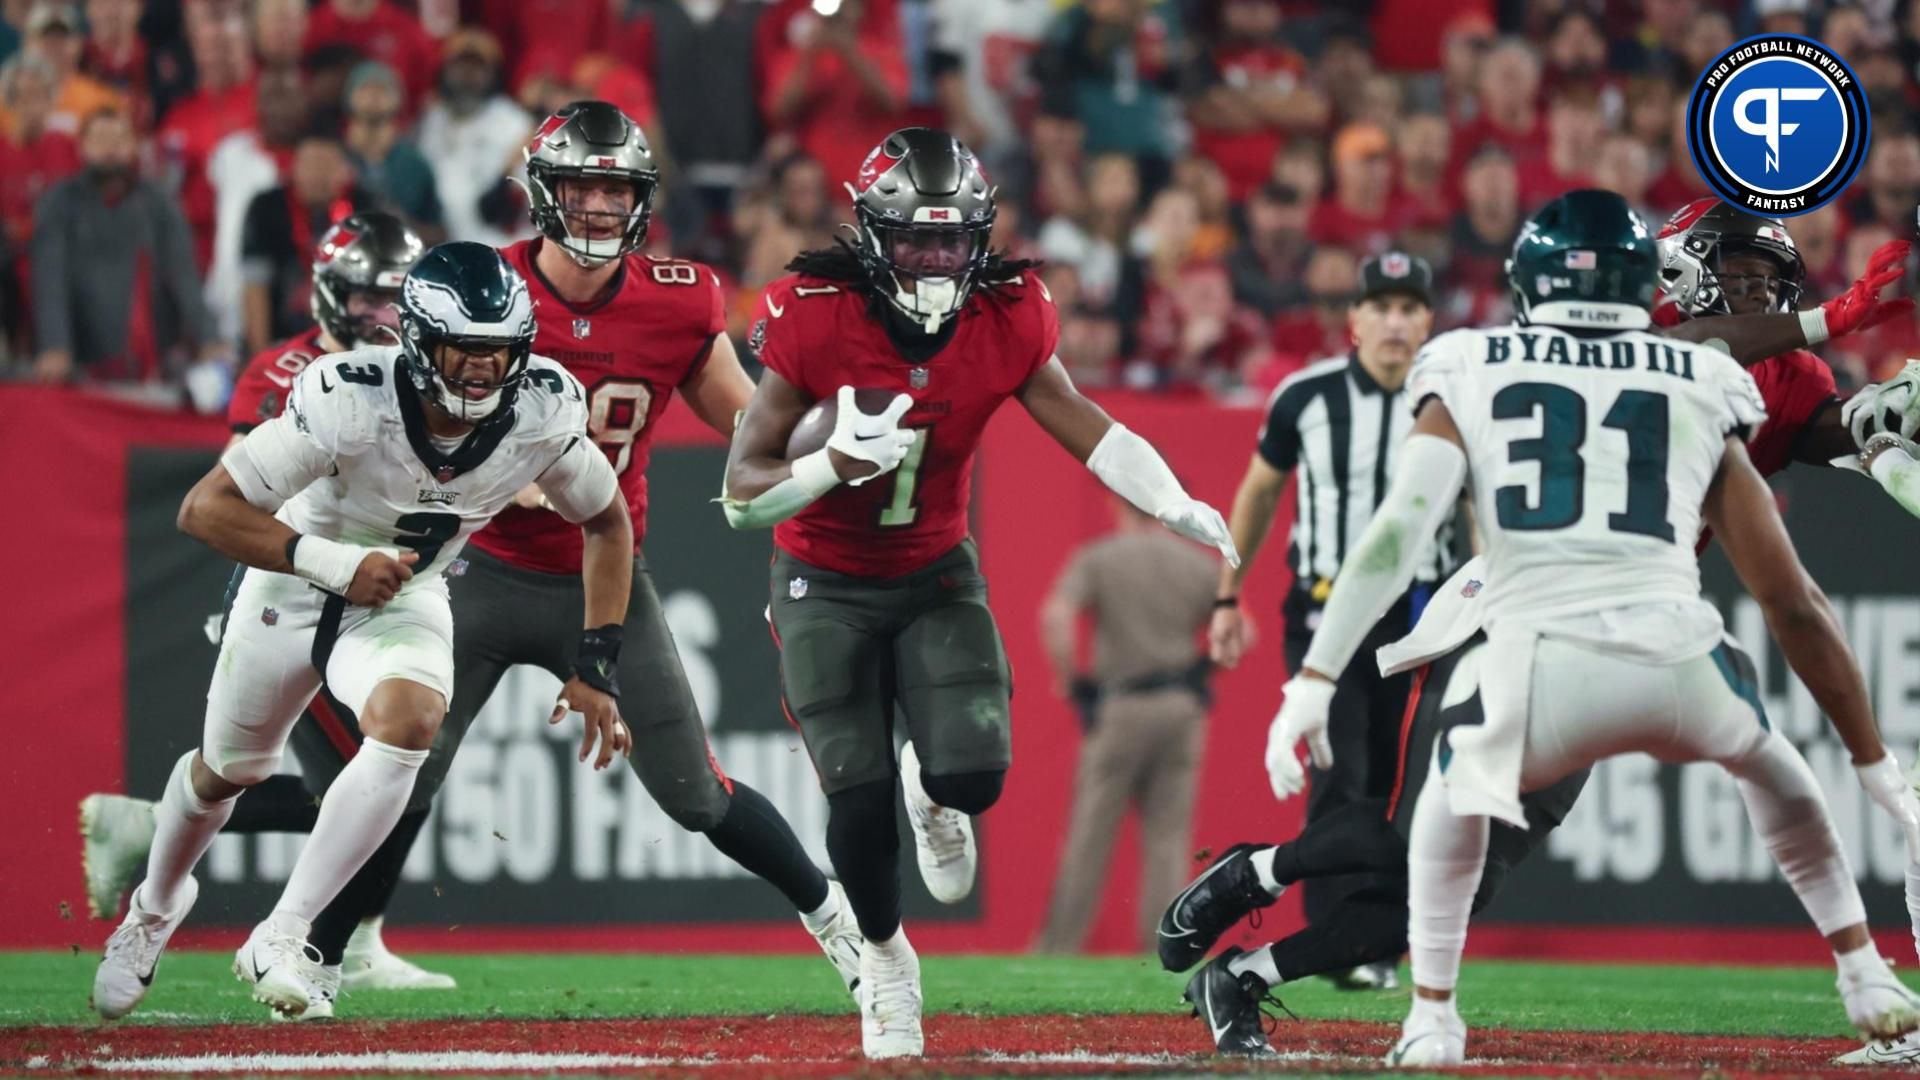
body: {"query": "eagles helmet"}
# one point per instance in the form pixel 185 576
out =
pixel 1695 243
pixel 368 253
pixel 1585 260
pixel 464 295
pixel 924 214
pixel 590 139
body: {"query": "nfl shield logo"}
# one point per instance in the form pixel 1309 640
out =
pixel 456 568
pixel 582 329
pixel 917 378
pixel 796 588
pixel 270 616
pixel 1471 589
pixel 1395 265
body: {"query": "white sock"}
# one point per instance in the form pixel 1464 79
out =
pixel 360 809
pixel 1445 856
pixel 817 919
pixel 1862 963
pixel 184 826
pixel 1913 901
pixel 1262 861
pixel 892 948
pixel 1790 814
pixel 1427 1007
pixel 1260 962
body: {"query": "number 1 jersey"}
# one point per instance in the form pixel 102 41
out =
pixel 1589 458
pixel 649 332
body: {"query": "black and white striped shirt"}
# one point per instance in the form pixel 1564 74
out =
pixel 1343 432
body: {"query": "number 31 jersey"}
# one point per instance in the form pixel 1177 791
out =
pixel 1589 459
pixel 650 332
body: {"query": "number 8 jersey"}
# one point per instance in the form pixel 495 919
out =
pixel 351 459
pixel 1589 456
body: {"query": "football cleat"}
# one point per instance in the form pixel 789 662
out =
pixel 115 833
pixel 1380 976
pixel 889 997
pixel 1430 1039
pixel 326 990
pixel 840 939
pixel 1880 1005
pixel 1224 893
pixel 1902 1051
pixel 133 954
pixel 367 964
pixel 942 838
pixel 285 971
pixel 1230 1004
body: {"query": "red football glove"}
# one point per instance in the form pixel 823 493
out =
pixel 1860 306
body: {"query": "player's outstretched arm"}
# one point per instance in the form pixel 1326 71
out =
pixel 1888 461
pixel 1752 338
pixel 606 572
pixel 1123 461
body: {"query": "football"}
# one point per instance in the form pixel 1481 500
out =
pixel 816 427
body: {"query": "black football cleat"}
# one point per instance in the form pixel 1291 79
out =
pixel 1222 895
pixel 1230 1004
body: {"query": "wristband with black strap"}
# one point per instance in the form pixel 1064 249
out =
pixel 1225 602
pixel 596 661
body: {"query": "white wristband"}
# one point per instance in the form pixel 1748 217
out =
pixel 815 473
pixel 327 563
pixel 1813 324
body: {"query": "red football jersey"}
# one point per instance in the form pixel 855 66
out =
pixel 650 332
pixel 261 390
pixel 1795 386
pixel 820 336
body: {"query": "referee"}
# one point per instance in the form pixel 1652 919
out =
pixel 1341 423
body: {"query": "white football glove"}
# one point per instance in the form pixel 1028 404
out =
pixel 1196 520
pixel 1865 412
pixel 1888 786
pixel 875 439
pixel 1303 712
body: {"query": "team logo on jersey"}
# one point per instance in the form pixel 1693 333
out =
pixel 917 378
pixel 444 498
pixel 796 588
pixel 1472 588
pixel 582 329
pixel 1778 125
pixel 270 616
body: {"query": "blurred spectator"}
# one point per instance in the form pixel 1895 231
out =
pixel 1089 339
pixel 1576 48
pixel 1574 131
pixel 13 20
pixel 1888 187
pixel 982 63
pixel 1303 168
pixel 1463 46
pixel 378 30
pixel 798 215
pixel 699 54
pixel 1096 242
pixel 280 32
pixel 1382 101
pixel 243 165
pixel 115 289
pixel 1058 163
pixel 548 35
pixel 601 76
pixel 1509 112
pixel 1361 212
pixel 1708 35
pixel 1193 334
pixel 1624 165
pixel 115 55
pixel 1266 267
pixel 1246 92
pixel 1424 144
pixel 221 103
pixel 391 168
pixel 837 83
pixel 1679 183
pixel 1654 43
pixel 1846 30
pixel 472 134
pixel 1817 235
pixel 1343 66
pixel 1883 74
pixel 32 158
pixel 1786 16
pixel 1482 238
pixel 1648 111
pixel 277 245
pixel 326 70
pixel 1202 179
pixel 1112 65
pixel 1320 329
pixel 53 33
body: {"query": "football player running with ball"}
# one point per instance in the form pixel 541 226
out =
pixel 878 600
pixel 323 503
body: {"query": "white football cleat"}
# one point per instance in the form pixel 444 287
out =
pixel 115 833
pixel 942 838
pixel 1880 1005
pixel 283 968
pixel 889 998
pixel 369 965
pixel 1430 1039
pixel 840 939
pixel 326 990
pixel 133 953
pixel 1901 1051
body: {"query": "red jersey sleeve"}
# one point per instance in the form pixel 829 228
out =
pixel 1046 317
pixel 260 391
pixel 776 336
pixel 1795 386
pixel 713 317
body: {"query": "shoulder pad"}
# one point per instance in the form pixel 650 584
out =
pixel 342 401
pixel 551 399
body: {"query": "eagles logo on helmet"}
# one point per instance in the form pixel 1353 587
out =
pixel 462 298
pixel 585 140
pixel 1695 244
pixel 357 271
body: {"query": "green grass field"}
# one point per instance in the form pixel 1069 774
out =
pixel 196 988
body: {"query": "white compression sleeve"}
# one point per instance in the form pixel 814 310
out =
pixel 1899 475
pixel 813 476
pixel 1134 470
pixel 1381 565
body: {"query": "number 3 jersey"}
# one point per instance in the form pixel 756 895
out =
pixel 1589 458
pixel 649 332
pixel 351 459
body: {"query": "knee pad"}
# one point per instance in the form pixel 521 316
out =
pixel 240 767
pixel 967 792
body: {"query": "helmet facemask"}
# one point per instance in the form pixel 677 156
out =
pixel 443 372
pixel 926 270
pixel 358 316
pixel 560 201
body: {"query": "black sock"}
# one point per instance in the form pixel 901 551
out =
pixel 754 835
pixel 280 803
pixel 863 839
pixel 369 891
pixel 1355 839
pixel 1368 927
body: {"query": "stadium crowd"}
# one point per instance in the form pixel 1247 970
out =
pixel 1201 176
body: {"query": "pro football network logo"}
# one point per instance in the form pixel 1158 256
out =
pixel 1778 125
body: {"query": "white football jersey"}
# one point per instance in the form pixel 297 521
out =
pixel 351 459
pixel 1589 458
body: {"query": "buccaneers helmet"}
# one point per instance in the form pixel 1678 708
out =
pixel 1695 243
pixel 369 252
pixel 924 214
pixel 590 139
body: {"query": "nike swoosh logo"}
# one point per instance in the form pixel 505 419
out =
pixel 1174 918
pixel 257 973
pixel 325 388
pixel 1217 1029
pixel 776 309
pixel 147 979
